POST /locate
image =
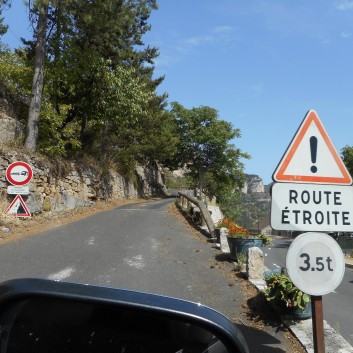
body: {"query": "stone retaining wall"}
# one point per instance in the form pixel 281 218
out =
pixel 58 185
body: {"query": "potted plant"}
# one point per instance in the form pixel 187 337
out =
pixel 286 298
pixel 239 239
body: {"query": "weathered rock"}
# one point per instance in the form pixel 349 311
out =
pixel 54 188
pixel 10 129
pixel 34 203
pixel 255 263
pixel 224 241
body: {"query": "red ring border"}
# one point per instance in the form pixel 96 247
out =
pixel 15 164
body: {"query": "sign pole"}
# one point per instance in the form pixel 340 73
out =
pixel 318 324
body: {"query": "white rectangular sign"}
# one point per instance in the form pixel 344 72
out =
pixel 17 190
pixel 312 207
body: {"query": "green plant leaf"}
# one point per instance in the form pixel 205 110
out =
pixel 306 298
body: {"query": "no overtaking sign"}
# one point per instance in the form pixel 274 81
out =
pixel 19 173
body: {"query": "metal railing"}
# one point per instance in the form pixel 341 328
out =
pixel 204 210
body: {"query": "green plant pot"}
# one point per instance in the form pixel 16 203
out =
pixel 292 313
pixel 241 245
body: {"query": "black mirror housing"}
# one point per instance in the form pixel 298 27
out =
pixel 42 312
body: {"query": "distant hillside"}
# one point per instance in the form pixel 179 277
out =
pixel 255 201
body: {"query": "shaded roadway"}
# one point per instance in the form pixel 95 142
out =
pixel 141 247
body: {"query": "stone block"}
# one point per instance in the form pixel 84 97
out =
pixel 255 263
pixel 224 241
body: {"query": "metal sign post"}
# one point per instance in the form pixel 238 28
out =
pixel 318 324
pixel 313 194
pixel 315 264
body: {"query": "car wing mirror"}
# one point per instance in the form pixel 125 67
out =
pixel 47 316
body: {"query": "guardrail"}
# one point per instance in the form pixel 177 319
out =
pixel 204 211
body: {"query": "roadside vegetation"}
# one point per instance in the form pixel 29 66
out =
pixel 85 88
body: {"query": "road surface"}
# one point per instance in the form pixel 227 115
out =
pixel 141 247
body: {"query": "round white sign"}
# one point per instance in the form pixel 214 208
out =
pixel 19 173
pixel 315 263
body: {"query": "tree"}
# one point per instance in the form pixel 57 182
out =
pixel 98 96
pixel 38 77
pixel 204 148
pixel 3 5
pixel 347 156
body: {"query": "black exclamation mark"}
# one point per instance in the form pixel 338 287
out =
pixel 313 151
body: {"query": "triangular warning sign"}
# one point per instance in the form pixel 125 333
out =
pixel 18 208
pixel 311 157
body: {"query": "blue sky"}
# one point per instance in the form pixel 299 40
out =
pixel 262 64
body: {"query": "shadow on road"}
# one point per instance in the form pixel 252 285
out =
pixel 223 257
pixel 260 341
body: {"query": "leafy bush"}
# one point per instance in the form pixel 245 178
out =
pixel 281 289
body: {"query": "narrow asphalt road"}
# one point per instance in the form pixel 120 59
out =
pixel 142 247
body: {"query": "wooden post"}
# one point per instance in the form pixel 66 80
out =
pixel 318 324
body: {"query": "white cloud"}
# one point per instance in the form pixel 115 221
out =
pixel 345 35
pixel 224 29
pixel 345 5
pixel 219 34
pixel 197 41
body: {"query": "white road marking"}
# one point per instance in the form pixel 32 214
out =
pixel 155 244
pixel 63 274
pixel 136 261
pixel 91 241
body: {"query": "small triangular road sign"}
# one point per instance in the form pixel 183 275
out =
pixel 18 208
pixel 311 157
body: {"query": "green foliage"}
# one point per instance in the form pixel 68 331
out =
pixel 229 203
pixel 347 156
pixel 16 76
pixel 280 288
pixel 52 140
pixel 204 147
pixel 172 182
pixel 250 211
pixel 241 260
pixel 99 96
pixel 266 238
pixel 4 4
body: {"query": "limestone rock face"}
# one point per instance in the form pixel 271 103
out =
pixel 253 184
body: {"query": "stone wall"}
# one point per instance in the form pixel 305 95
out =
pixel 59 185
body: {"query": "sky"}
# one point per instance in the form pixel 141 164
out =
pixel 263 64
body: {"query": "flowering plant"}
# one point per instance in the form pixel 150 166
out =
pixel 234 230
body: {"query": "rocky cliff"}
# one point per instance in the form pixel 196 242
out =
pixel 256 201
